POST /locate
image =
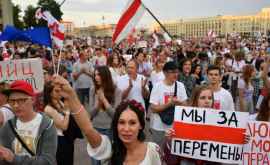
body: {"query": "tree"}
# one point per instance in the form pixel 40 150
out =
pixel 46 5
pixel 17 17
pixel 29 16
pixel 52 6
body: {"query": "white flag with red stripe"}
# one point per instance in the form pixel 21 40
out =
pixel 130 17
pixel 57 29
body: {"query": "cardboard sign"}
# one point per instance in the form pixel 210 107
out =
pixel 29 70
pixel 209 134
pixel 257 151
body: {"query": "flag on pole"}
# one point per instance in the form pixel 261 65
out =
pixel 57 29
pixel 130 17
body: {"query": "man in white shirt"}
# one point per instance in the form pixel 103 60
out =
pixel 222 98
pixel 5 109
pixel 82 75
pixel 133 85
pixel 162 97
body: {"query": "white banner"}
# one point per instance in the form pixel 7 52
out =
pixel 209 134
pixel 25 69
pixel 257 151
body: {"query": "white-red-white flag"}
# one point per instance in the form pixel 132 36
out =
pixel 130 17
pixel 57 29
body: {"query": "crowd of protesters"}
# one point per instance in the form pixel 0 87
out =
pixel 108 96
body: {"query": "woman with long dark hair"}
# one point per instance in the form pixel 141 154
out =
pixel 104 98
pixel 128 144
pixel 197 73
pixel 56 110
pixel 115 66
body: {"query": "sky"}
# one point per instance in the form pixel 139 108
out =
pixel 90 12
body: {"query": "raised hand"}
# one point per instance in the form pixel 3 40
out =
pixel 63 88
pixel 170 133
pixel 100 94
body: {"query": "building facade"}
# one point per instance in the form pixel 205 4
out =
pixel 249 25
pixel 69 27
pixel 96 31
pixel 6 14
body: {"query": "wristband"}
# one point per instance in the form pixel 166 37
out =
pixel 79 111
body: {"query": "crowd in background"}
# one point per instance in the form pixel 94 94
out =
pixel 229 74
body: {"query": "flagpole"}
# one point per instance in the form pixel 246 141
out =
pixel 59 60
pixel 160 24
pixel 53 61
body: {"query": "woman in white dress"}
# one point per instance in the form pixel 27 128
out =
pixel 128 146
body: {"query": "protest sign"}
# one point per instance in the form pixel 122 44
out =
pixel 69 42
pixel 142 44
pixel 29 70
pixel 257 151
pixel 209 134
pixel 127 57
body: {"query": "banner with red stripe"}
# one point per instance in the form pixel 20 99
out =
pixel 208 134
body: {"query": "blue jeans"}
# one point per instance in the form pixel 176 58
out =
pixel 106 132
pixel 83 94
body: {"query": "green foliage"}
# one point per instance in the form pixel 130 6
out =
pixel 18 23
pixel 46 5
pixel 29 16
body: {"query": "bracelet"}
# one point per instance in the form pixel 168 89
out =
pixel 79 111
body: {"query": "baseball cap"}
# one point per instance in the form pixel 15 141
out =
pixel 170 66
pixel 20 86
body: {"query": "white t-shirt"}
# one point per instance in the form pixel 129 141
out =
pixel 104 151
pixel 237 66
pixel 248 92
pixel 160 95
pixel 83 81
pixel 28 131
pixel 223 100
pixel 7 113
pixel 115 74
pixel 136 91
pixel 156 77
pixel 99 61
